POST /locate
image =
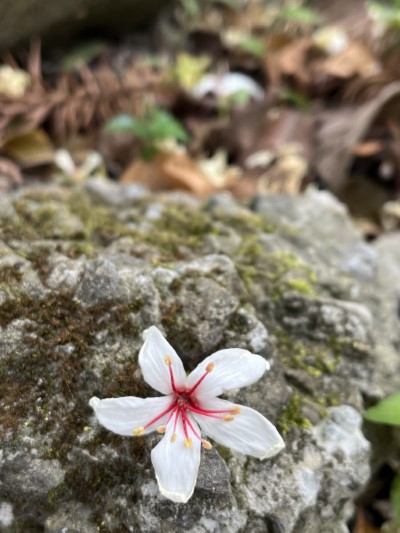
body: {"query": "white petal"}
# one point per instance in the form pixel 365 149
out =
pixel 249 432
pixel 233 368
pixel 176 466
pixel 123 415
pixel 64 161
pixel 152 362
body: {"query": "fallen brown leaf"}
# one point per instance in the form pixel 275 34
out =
pixel 340 132
pixel 355 60
pixel 301 63
pixel 261 127
pixel 367 148
pixel 285 59
pixel 30 149
pixel 168 170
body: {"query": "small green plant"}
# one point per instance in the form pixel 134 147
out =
pixel 389 15
pixel 299 13
pixel 154 126
pixel 388 412
pixel 295 98
pixel 385 412
pixel 252 45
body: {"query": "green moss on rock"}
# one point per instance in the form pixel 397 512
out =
pixel 54 323
pixel 277 272
pixel 293 416
pixel 313 357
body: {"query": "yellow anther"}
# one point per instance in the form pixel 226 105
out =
pixel 188 443
pixel 207 445
pixel 168 360
pixel 235 410
pixel 228 418
pixel 173 438
pixel 161 429
pixel 210 367
pixel 138 431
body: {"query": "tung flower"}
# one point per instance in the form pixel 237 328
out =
pixel 190 409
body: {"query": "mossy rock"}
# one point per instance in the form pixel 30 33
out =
pixel 81 277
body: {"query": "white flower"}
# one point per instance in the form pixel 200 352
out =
pixel 92 165
pixel 189 409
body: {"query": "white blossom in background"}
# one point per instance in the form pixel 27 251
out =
pixel 190 410
pixel 226 85
pixel 13 81
pixel 93 164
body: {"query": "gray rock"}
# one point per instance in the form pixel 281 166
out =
pixel 387 369
pixel 6 516
pixel 99 283
pixel 291 281
pixel 214 477
pixel 26 19
pixel 71 518
pixel 65 273
pixel 30 478
pixel 272 492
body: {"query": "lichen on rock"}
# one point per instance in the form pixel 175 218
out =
pixel 84 271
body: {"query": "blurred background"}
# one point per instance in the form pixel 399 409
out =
pixel 250 97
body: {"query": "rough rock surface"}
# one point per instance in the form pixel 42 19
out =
pixel 25 19
pixel 84 272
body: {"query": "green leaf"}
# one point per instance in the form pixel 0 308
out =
pixel 190 69
pixel 253 45
pixel 395 497
pixel 191 7
pixel 122 123
pixel 299 14
pixel 159 125
pixel 385 412
pixel 295 98
pixel 240 98
pixel 155 125
pixel 389 15
pixel 149 152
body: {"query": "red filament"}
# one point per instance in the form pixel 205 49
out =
pixel 184 402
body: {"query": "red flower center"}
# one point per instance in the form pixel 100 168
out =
pixel 185 402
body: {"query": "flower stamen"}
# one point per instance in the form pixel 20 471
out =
pixel 176 419
pixel 171 415
pixel 168 362
pixel 184 423
pixel 209 368
pixel 163 413
pixel 188 422
pixel 138 431
pixel 173 438
pixel 188 443
pixel 212 413
pixel 229 418
pixel 161 429
pixel 206 444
